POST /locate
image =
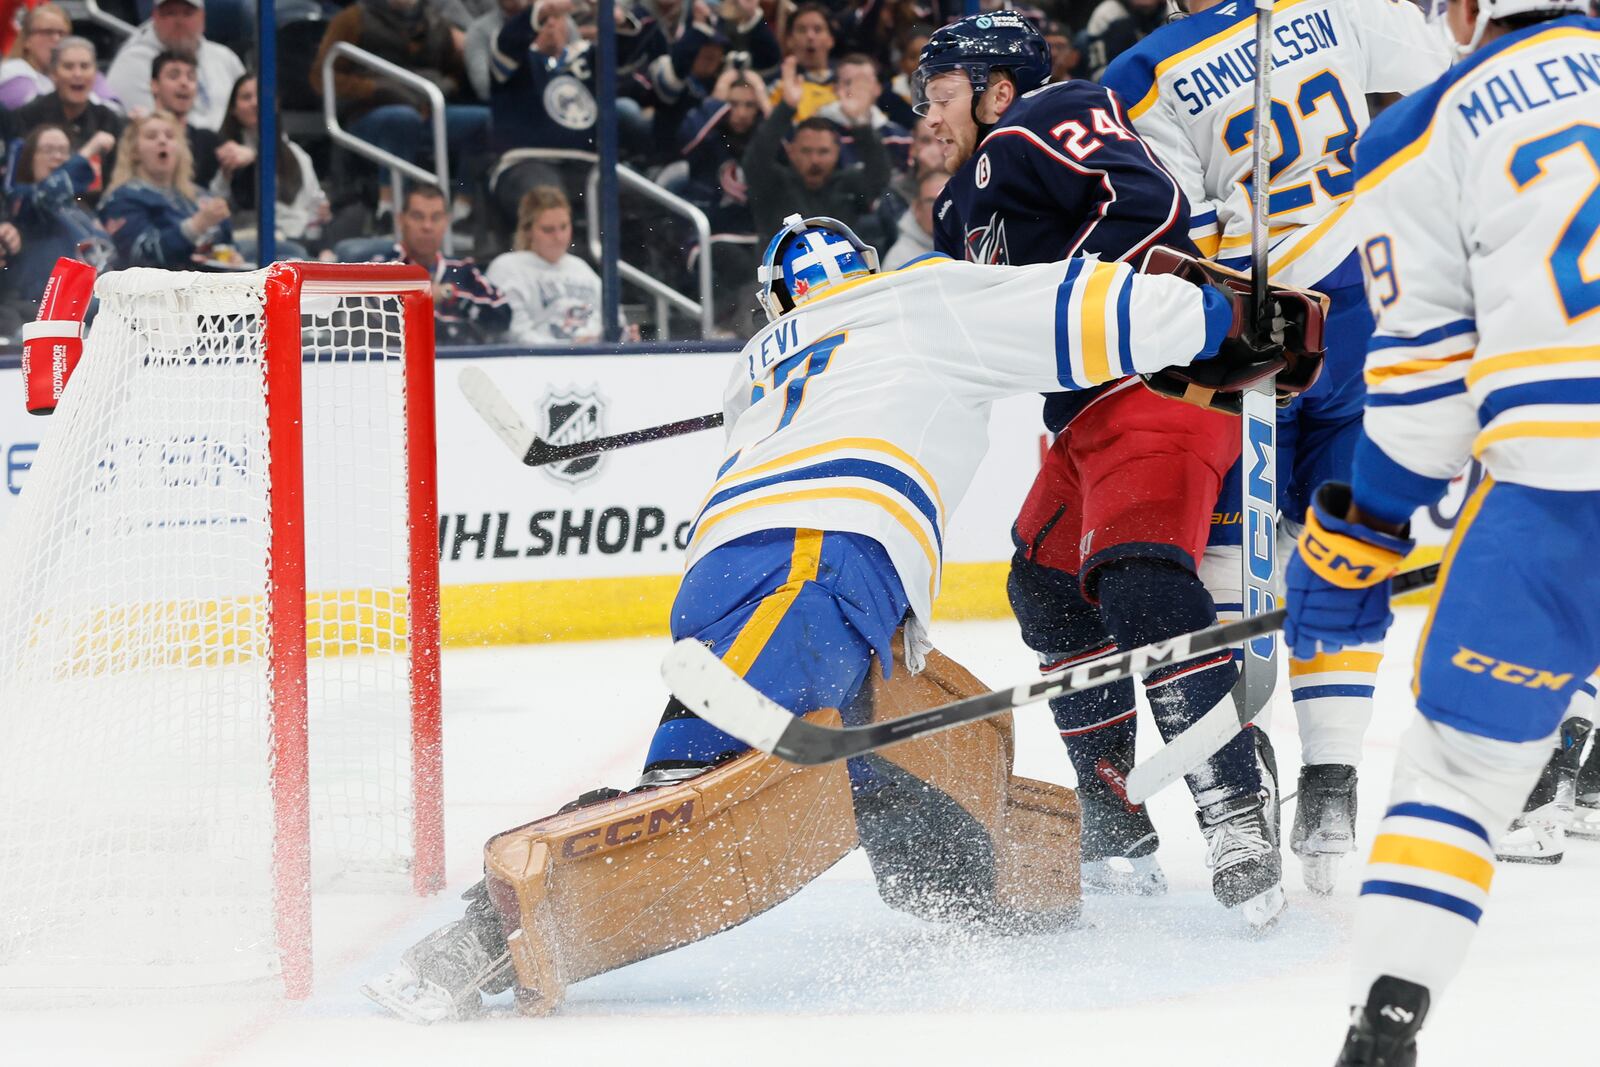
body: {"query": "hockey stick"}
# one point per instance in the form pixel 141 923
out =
pixel 487 399
pixel 1258 424
pixel 710 689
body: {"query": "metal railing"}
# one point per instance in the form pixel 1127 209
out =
pixel 439 176
pixel 105 18
pixel 666 296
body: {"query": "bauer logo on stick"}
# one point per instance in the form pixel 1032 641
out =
pixel 572 416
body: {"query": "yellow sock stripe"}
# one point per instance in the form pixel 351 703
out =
pixel 842 492
pixel 1336 661
pixel 1427 855
pixel 753 637
pixel 1469 512
pixel 1096 360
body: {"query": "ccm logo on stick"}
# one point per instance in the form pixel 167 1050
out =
pixel 632 828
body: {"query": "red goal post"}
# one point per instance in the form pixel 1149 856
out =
pixel 286 285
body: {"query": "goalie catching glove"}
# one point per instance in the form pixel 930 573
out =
pixel 1291 347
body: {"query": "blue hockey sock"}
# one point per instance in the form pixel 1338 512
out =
pixel 1144 601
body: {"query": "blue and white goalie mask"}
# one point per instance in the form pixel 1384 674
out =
pixel 807 258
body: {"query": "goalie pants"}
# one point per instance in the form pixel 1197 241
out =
pixel 1513 635
pixel 1106 548
pixel 797 613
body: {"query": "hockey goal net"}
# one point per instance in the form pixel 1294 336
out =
pixel 225 549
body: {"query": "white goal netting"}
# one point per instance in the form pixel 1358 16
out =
pixel 139 675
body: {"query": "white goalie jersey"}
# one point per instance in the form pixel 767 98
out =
pixel 1190 90
pixel 1478 202
pixel 866 410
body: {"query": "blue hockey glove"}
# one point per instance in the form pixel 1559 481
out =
pixel 1338 580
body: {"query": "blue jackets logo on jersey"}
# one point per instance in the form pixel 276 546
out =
pixel 987 243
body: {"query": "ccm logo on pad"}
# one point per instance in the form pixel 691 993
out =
pixel 632 828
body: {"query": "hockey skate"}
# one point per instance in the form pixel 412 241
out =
pixel 1119 848
pixel 1586 804
pixel 1324 830
pixel 443 977
pixel 1242 852
pixel 1539 834
pixel 1383 1033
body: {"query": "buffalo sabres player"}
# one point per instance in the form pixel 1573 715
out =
pixel 1110 534
pixel 856 421
pixel 1189 89
pixel 1476 214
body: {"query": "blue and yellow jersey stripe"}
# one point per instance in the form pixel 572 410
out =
pixel 862 470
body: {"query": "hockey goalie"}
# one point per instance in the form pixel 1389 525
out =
pixel 857 419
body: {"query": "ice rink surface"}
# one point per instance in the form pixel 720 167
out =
pixel 833 977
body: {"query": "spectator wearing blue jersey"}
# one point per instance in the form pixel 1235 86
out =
pixel 48 206
pixel 712 140
pixel 152 210
pixel 687 74
pixel 467 307
pixel 543 96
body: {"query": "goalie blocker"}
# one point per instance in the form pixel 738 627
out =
pixel 951 833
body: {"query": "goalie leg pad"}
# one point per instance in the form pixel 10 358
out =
pixel 586 891
pixel 951 833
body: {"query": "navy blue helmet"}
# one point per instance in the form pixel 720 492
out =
pixel 977 44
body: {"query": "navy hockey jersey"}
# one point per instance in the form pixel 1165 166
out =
pixel 1062 174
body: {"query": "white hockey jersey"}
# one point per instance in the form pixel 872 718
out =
pixel 1189 89
pixel 1478 204
pixel 866 410
pixel 551 303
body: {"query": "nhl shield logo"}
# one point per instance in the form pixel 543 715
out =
pixel 571 416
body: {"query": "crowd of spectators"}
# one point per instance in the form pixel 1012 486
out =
pixel 141 152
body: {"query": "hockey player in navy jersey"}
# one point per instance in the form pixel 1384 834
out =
pixel 1189 92
pixel 856 421
pixel 1111 533
pixel 1476 212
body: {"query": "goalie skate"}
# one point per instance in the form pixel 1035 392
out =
pixel 443 977
pixel 1324 830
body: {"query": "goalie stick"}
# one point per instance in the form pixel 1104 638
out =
pixel 496 409
pixel 710 689
pixel 1258 427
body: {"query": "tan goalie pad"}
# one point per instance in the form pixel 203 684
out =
pixel 1026 874
pixel 590 890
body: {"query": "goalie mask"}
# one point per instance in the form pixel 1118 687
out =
pixel 807 258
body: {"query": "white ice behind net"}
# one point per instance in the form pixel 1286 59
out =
pixel 136 818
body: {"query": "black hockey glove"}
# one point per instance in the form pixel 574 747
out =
pixel 1289 346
